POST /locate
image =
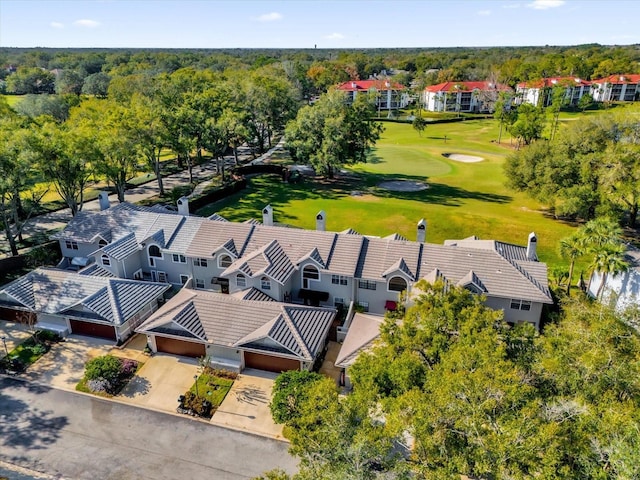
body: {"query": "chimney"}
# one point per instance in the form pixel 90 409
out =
pixel 531 247
pixel 321 221
pixel 353 85
pixel 103 200
pixel 267 215
pixel 183 206
pixel 422 231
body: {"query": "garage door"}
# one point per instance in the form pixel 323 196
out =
pixel 269 363
pixel 180 347
pixel 13 315
pixel 93 329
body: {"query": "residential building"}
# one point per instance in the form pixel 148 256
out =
pixel 312 267
pixel 387 95
pixel 616 88
pixel 620 291
pixel 90 302
pixel 466 97
pixel 540 92
pixel 245 330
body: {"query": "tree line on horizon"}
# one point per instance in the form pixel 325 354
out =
pixel 45 70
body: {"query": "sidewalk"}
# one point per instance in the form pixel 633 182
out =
pixel 44 224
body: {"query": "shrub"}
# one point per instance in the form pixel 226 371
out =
pixel 49 336
pixel 200 406
pixel 38 349
pixel 220 373
pixel 129 367
pixel 106 367
pixel 99 385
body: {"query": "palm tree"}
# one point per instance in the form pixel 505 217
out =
pixel 609 260
pixel 599 232
pixel 571 248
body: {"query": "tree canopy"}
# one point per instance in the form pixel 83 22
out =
pixel 473 396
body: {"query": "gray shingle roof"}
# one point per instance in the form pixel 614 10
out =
pixel 499 276
pixel 253 294
pixel 379 255
pixel 58 292
pixel 299 330
pixel 363 332
pixel 213 235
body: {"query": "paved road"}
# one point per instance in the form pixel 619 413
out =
pixel 43 224
pixel 78 437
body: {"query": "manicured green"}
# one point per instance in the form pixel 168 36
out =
pixel 12 100
pixel 212 388
pixel 463 199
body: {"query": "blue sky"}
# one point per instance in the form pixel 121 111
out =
pixel 307 23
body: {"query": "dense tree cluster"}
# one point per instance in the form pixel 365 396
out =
pixel 312 71
pixel 591 168
pixel 466 394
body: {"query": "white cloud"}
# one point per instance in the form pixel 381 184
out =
pixel 270 17
pixel 334 36
pixel 484 13
pixel 545 4
pixel 57 25
pixel 85 22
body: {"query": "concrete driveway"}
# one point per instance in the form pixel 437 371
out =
pixel 246 406
pixel 63 366
pixel 14 334
pixel 160 381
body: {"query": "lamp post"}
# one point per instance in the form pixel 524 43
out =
pixel 195 377
pixel 4 342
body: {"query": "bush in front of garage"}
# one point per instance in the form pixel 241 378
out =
pixel 107 375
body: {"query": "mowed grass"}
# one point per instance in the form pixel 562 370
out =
pixel 463 199
pixel 12 100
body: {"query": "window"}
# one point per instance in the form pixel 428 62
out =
pixel 338 302
pixel 177 258
pixel 162 277
pixel 102 243
pixel 397 284
pixel 106 261
pixel 364 306
pixel 199 283
pixel 309 273
pixel 265 283
pixel 241 280
pixel 199 262
pixel 138 275
pixel 224 261
pixel 366 284
pixel 154 252
pixel 184 279
pixel 338 280
pixel 524 305
pixel 71 244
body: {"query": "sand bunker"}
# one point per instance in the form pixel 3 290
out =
pixel 458 157
pixel 403 186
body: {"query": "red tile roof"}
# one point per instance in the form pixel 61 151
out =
pixel 466 86
pixel 359 85
pixel 553 81
pixel 619 78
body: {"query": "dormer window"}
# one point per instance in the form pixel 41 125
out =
pixel 106 261
pixel 224 261
pixel 102 243
pixel 397 284
pixel 241 280
pixel 265 283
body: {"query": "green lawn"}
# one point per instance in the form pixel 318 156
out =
pixel 212 388
pixel 12 100
pixel 463 199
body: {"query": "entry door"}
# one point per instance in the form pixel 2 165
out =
pixel 154 276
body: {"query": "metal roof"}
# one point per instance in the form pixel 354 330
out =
pixel 52 291
pixel 233 322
